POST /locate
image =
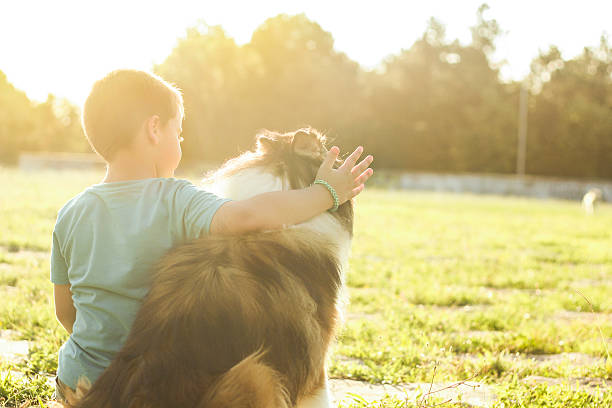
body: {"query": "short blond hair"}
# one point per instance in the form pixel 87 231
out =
pixel 120 102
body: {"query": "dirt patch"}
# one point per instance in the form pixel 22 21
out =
pixel 587 283
pixel 8 290
pixel 480 334
pixel 470 393
pixel 574 359
pixel 25 253
pixel 584 317
pixel 494 291
pixel 462 309
pixel 8 334
pixel 511 291
pixel 12 350
pixel 349 360
pixel 372 317
pixel 588 384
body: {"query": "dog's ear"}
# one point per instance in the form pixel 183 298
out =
pixel 266 142
pixel 307 144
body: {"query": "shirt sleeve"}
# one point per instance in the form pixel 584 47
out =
pixel 59 268
pixel 199 207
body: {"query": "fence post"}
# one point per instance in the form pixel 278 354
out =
pixel 521 156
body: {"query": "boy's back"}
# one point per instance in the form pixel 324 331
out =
pixel 110 235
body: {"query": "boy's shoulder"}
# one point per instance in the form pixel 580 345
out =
pixel 77 203
pixel 96 194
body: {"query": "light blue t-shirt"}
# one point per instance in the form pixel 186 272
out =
pixel 105 242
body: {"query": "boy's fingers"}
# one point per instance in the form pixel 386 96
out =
pixel 363 177
pixel 331 157
pixel 361 167
pixel 352 159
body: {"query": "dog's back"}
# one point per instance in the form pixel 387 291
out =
pixel 237 321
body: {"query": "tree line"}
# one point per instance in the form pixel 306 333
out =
pixel 436 106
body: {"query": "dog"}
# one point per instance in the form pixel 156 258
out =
pixel 240 321
pixel 591 199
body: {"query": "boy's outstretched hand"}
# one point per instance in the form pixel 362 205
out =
pixel 277 209
pixel 349 179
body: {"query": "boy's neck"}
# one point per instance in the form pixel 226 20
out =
pixel 127 166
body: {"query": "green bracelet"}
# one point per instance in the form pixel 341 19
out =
pixel 331 191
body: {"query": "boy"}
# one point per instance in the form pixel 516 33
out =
pixel 107 238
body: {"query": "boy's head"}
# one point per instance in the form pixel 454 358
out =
pixel 125 103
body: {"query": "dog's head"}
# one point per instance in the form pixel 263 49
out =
pixel 597 193
pixel 297 155
pixel 280 161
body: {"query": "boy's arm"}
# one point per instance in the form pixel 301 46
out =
pixel 64 307
pixel 277 209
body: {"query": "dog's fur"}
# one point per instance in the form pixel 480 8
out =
pixel 240 321
pixel 591 199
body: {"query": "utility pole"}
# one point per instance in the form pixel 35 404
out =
pixel 521 155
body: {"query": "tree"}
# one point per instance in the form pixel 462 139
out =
pixel 208 66
pixel 303 80
pixel 15 121
pixel 485 32
pixel 571 117
pixel 435 106
pixel 440 106
pixel 25 126
pixel 288 76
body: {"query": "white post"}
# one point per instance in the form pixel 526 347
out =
pixel 521 155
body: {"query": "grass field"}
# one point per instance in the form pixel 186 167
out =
pixel 469 286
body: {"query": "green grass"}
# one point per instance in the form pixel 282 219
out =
pixel 475 285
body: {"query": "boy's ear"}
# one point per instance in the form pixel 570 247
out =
pixel 152 129
pixel 307 144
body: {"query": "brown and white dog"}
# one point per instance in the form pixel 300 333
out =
pixel 240 321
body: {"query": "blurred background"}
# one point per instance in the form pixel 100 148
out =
pixel 504 98
pixel 425 86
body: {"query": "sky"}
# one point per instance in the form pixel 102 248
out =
pixel 63 46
